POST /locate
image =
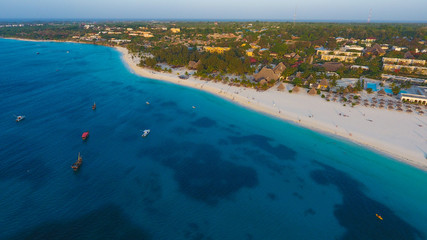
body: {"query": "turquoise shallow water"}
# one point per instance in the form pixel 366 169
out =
pixel 215 172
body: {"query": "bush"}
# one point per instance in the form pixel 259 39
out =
pixel 318 91
pixel 344 99
pixel 356 97
pixel 323 96
pixel 290 91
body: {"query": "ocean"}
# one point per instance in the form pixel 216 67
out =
pixel 216 171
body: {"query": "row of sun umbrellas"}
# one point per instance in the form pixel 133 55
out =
pixel 380 103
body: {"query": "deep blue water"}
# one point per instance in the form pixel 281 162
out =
pixel 215 172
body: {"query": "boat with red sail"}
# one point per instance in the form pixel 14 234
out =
pixel 85 135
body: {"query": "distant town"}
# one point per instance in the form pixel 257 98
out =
pixel 323 58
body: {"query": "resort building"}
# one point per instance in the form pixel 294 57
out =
pixel 364 68
pixel 375 50
pixel 219 50
pixel 411 69
pixel 332 66
pixel 403 79
pixel 338 57
pixel 420 97
pixel 340 39
pixel 338 52
pixel 250 52
pixel 353 47
pixel 397 48
pixel 175 30
pixel 270 74
pixel 323 84
pixel 120 41
pixel 404 61
pixel 343 56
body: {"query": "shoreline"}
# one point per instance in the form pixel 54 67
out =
pixel 404 143
pixel 233 94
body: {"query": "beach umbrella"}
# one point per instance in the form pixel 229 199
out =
pixel 421 112
pixel 281 87
pixel 312 91
pixel 417 108
pixel 366 104
pixel 381 106
pixel 399 109
pixel 409 110
pixel 390 107
pixel 373 105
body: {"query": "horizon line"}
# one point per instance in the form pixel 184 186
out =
pixel 209 20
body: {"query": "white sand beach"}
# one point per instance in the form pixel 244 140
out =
pixel 398 134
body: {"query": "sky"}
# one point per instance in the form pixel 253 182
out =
pixel 324 10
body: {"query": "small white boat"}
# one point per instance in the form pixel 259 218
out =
pixel 20 118
pixel 148 103
pixel 193 107
pixel 145 132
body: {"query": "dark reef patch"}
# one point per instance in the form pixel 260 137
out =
pixel 280 151
pixel 107 222
pixel 204 122
pixel 183 131
pixel 357 211
pixel 272 196
pixel 200 171
pixel 309 211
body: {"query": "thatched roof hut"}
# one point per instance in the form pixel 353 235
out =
pixel 193 65
pixel 408 55
pixel 332 66
pixel 279 68
pixel 375 50
pixel 267 74
pixel 281 87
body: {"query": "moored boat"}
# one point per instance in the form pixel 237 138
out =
pixel 85 135
pixel 20 118
pixel 94 106
pixel 146 132
pixel 78 163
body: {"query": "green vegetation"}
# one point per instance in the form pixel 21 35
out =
pixel 232 52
